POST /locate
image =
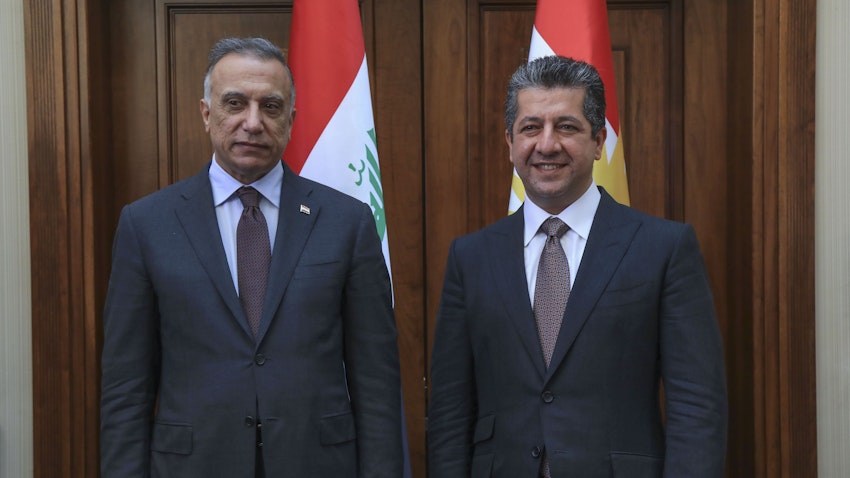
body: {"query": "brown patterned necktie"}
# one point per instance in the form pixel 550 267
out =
pixel 253 255
pixel 550 296
pixel 552 288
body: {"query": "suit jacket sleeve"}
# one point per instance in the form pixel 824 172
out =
pixel 371 357
pixel 692 367
pixel 130 361
pixel 452 410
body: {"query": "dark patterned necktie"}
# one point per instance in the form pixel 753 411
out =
pixel 253 255
pixel 552 288
pixel 550 296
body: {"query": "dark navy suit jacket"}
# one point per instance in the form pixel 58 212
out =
pixel 640 311
pixel 184 380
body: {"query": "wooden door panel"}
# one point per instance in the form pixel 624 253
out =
pixel 134 115
pixel 189 31
pixel 504 34
pixel 648 73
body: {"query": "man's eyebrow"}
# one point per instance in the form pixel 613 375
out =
pixel 276 98
pixel 559 119
pixel 528 118
pixel 570 118
pixel 232 94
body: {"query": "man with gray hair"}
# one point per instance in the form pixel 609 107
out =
pixel 558 324
pixel 248 326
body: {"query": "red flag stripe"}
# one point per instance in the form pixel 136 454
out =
pixel 325 52
pixel 579 29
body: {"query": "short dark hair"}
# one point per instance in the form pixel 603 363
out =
pixel 558 72
pixel 256 47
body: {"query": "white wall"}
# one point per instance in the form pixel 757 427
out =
pixel 16 444
pixel 832 237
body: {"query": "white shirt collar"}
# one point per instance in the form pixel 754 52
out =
pixel 224 185
pixel 578 215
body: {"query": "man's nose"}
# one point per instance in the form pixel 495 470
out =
pixel 547 141
pixel 253 121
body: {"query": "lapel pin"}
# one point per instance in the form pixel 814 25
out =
pixel 305 210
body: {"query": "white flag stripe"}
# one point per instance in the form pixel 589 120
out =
pixel 538 47
pixel 610 141
pixel 339 158
pixel 515 201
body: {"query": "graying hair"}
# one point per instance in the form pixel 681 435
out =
pixel 256 47
pixel 558 72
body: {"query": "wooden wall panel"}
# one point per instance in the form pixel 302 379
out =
pixel 445 141
pixel 133 102
pixel 498 43
pixel 393 34
pixel 783 73
pixel 648 67
pixel 61 102
pixel 741 298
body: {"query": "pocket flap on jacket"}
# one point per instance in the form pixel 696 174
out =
pixel 337 429
pixel 484 428
pixel 169 438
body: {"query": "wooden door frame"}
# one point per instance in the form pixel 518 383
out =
pixel 771 127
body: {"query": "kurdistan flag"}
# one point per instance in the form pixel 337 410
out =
pixel 333 137
pixel 579 29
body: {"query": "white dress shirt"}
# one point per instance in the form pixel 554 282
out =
pixel 578 216
pixel 228 207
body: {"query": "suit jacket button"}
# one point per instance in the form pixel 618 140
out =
pixel 547 397
pixel 260 359
pixel 535 452
pixel 249 421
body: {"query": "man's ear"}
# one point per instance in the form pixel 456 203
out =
pixel 601 135
pixel 205 114
pixel 510 142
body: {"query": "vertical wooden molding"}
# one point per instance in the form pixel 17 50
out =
pixel 741 141
pixel 797 148
pixel 64 352
pixel 783 238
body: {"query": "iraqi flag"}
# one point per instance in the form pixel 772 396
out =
pixel 333 138
pixel 579 29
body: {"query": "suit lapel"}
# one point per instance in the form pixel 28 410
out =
pixel 607 243
pixel 293 228
pixel 508 263
pixel 197 216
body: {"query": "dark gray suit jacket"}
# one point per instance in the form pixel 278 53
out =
pixel 640 310
pixel 184 381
